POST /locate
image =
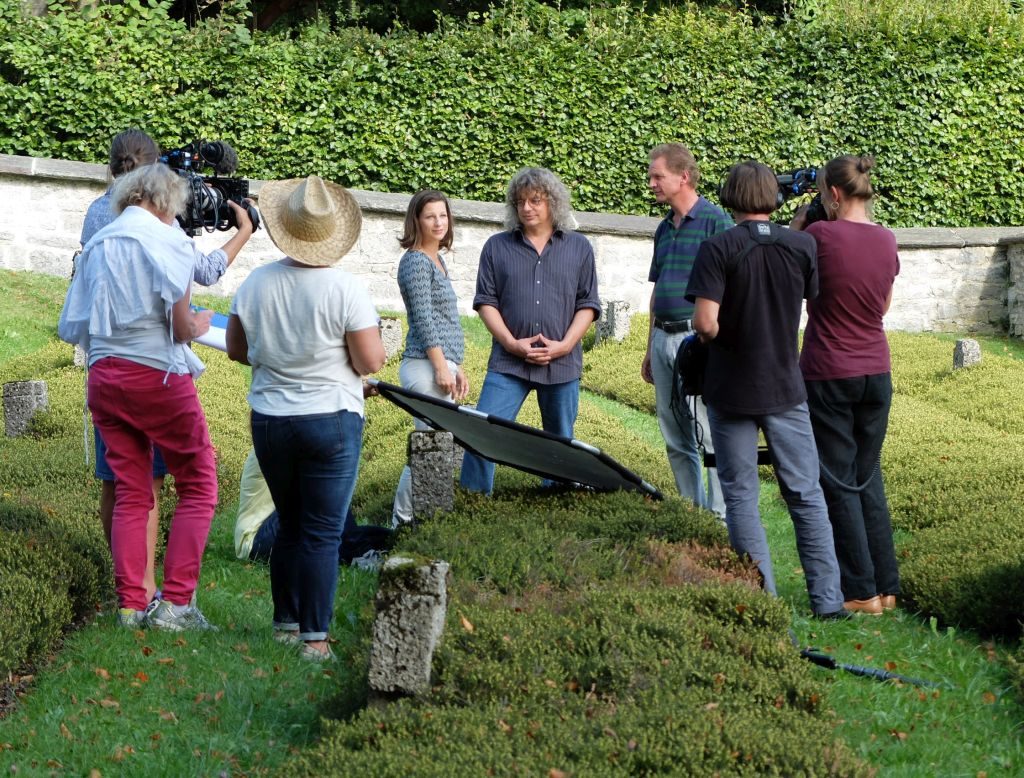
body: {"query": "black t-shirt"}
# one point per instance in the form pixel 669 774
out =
pixel 753 365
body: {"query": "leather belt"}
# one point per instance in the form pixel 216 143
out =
pixel 672 327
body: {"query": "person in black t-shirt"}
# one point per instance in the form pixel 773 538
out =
pixel 749 284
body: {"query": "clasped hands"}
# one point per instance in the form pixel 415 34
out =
pixel 539 350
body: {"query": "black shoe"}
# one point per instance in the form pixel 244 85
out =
pixel 840 615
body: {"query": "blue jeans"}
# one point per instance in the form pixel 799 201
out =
pixel 502 395
pixel 103 471
pixel 356 539
pixel 310 464
pixel 795 458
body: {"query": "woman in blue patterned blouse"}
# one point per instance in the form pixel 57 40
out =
pixel 432 361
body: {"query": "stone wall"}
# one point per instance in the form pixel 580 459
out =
pixel 967 280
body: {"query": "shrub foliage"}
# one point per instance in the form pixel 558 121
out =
pixel 586 94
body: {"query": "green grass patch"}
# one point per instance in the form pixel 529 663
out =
pixel 588 634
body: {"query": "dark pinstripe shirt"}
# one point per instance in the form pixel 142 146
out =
pixel 537 295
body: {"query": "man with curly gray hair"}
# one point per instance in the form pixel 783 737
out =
pixel 536 292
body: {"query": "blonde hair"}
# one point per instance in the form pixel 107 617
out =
pixel 678 159
pixel 156 184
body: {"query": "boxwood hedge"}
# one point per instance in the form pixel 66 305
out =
pixel 462 107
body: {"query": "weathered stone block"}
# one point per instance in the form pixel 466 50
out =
pixel 22 400
pixel 967 352
pixel 614 321
pixel 391 334
pixel 432 464
pixel 412 602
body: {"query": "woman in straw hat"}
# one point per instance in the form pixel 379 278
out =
pixel 128 307
pixel 309 331
pixel 432 361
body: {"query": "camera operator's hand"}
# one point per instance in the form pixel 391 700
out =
pixel 242 216
pixel 799 220
pixel 242 235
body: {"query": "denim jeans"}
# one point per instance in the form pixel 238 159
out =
pixel 502 395
pixel 680 438
pixel 356 539
pixel 795 459
pixel 310 464
pixel 850 417
pixel 417 375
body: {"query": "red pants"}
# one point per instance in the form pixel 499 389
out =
pixel 133 407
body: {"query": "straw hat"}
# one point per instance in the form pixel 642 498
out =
pixel 313 221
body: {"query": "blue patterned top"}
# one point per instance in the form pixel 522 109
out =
pixel 431 306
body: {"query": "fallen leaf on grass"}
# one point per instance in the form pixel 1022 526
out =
pixel 102 673
pixel 554 772
pixel 219 695
pixel 109 703
pixel 167 660
pixel 890 666
pixel 901 736
pixel 988 698
pixel 65 732
pixel 466 623
pixel 141 676
pixel 147 651
pixel 168 715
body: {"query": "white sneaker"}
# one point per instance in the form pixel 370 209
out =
pixel 166 616
pixel 370 561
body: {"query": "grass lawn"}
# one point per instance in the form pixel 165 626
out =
pixel 234 703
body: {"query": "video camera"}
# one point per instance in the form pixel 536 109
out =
pixel 207 205
pixel 800 182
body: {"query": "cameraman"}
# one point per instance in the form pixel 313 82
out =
pixel 748 284
pixel 846 368
pixel 129 150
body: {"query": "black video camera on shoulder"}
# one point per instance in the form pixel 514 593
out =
pixel 800 182
pixel 207 205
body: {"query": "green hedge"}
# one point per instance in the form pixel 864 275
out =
pixel 460 109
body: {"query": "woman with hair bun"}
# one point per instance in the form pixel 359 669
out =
pixel 846 367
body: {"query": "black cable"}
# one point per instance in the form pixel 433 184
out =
pixel 843 486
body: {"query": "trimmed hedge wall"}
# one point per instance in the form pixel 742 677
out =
pixel 462 108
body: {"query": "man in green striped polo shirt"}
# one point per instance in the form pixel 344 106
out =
pixel 673 176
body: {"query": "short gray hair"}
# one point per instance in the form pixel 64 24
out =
pixel 539 179
pixel 157 184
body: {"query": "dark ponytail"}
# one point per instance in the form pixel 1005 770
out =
pixel 131 149
pixel 850 174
